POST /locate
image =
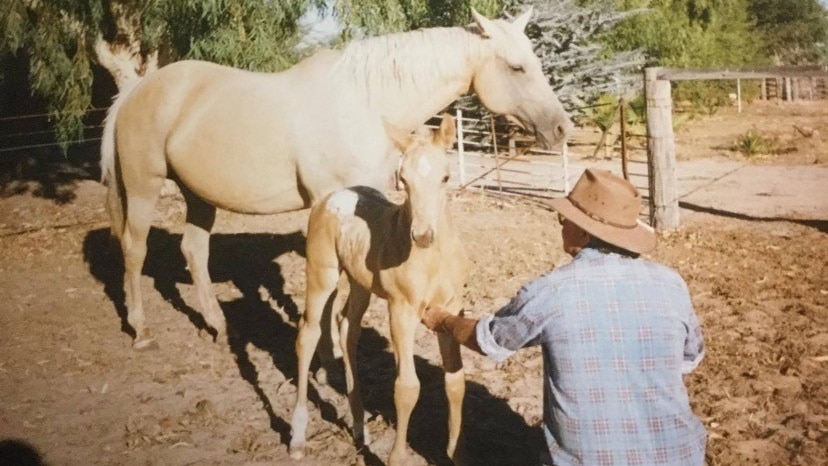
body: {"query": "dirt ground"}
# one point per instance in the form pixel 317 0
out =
pixel 73 392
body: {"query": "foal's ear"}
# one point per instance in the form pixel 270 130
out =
pixel 401 139
pixel 486 26
pixel 521 21
pixel 446 134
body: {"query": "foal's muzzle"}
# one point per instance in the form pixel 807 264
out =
pixel 424 239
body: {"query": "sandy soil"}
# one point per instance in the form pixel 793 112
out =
pixel 74 392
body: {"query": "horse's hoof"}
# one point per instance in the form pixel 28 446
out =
pixel 144 344
pixel 297 452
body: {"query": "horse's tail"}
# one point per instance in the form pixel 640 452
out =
pixel 110 174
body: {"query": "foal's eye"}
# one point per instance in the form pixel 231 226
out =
pixel 517 68
pixel 445 179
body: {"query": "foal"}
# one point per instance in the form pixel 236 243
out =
pixel 409 255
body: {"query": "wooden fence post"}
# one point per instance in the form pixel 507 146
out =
pixel 661 152
pixel 461 159
pixel 739 95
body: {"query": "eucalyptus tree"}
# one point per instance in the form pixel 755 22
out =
pixel 61 40
pixel 567 37
pixel 795 32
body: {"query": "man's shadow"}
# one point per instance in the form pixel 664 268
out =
pixel 494 433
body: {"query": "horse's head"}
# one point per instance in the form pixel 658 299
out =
pixel 424 174
pixel 510 80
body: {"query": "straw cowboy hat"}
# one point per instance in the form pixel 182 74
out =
pixel 607 206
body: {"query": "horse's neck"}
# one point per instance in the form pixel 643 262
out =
pixel 408 78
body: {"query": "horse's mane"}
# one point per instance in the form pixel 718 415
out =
pixel 412 58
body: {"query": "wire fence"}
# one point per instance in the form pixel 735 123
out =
pixel 20 134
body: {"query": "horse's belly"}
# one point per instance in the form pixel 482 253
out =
pixel 243 187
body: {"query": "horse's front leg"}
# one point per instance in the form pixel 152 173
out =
pixel 455 379
pixel 404 321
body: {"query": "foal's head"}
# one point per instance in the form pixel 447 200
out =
pixel 424 174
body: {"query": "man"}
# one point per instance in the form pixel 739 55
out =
pixel 617 333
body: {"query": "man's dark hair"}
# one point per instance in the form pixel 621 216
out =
pixel 607 248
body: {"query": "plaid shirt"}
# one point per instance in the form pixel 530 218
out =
pixel 617 335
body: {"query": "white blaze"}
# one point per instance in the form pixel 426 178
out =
pixel 424 167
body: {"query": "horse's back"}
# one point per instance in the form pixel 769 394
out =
pixel 251 142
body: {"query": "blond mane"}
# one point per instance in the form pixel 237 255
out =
pixel 385 64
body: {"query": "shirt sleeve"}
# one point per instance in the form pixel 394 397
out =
pixel 694 343
pixel 516 325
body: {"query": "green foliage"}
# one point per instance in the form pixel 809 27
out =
pixel 794 31
pixel 605 112
pixel 372 17
pixel 753 143
pixel 690 33
pixel 59 38
pixel 60 66
pixel 254 34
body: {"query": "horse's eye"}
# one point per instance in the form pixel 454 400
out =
pixel 445 179
pixel 517 68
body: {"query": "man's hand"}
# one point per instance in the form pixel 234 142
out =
pixel 433 318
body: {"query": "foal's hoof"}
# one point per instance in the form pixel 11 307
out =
pixel 329 378
pixel 144 344
pixel 363 438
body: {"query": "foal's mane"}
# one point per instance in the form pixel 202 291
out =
pixel 413 58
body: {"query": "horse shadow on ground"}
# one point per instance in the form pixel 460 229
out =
pixel 494 434
pixel 15 452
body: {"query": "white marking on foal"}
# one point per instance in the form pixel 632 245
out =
pixel 343 203
pixel 424 167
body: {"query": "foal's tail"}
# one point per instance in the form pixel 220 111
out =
pixel 110 174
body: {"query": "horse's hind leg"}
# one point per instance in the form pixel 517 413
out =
pixel 350 330
pixel 140 207
pixel 195 245
pixel 321 285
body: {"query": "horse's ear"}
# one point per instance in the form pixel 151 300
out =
pixel 446 134
pixel 401 139
pixel 521 21
pixel 486 26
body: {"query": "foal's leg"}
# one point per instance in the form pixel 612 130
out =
pixel 404 323
pixel 195 245
pixel 455 380
pixel 140 206
pixel 350 330
pixel 321 285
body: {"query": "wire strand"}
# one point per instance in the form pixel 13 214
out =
pixel 33 146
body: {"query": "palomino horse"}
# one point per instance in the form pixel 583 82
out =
pixel 408 254
pixel 261 143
